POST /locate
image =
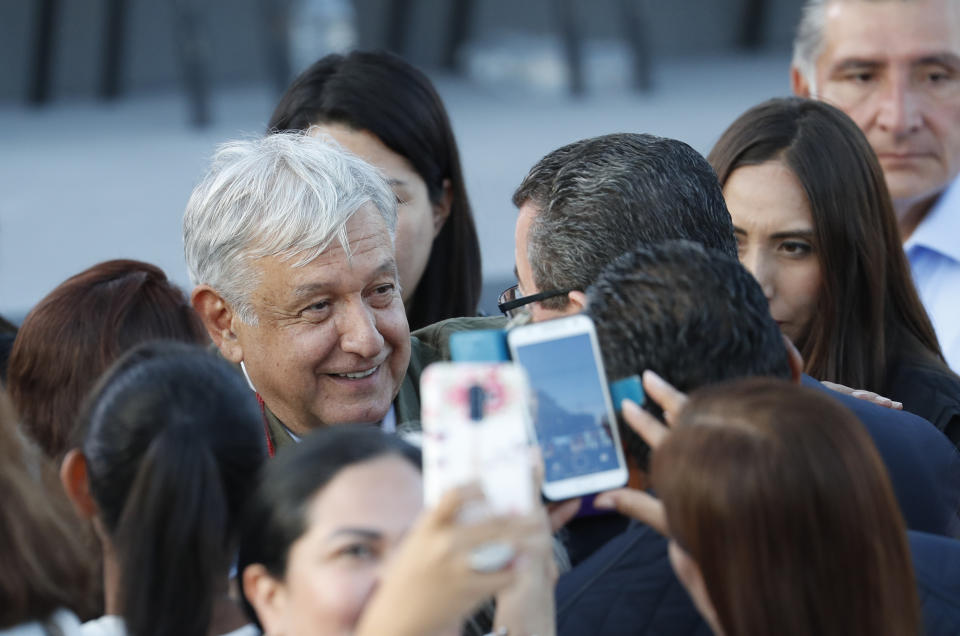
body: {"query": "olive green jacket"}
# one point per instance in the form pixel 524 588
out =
pixel 427 345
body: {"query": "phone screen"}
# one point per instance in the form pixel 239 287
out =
pixel 572 422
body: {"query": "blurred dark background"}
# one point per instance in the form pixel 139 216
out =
pixel 109 109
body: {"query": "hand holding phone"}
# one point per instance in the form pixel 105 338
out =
pixel 575 421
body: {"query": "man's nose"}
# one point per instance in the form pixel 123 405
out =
pixel 757 263
pixel 357 325
pixel 898 108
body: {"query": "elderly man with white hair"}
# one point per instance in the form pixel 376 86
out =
pixel 289 241
pixel 894 68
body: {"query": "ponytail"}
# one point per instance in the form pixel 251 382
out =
pixel 173 442
pixel 172 538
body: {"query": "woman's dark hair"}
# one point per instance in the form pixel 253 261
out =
pixel 173 439
pixel 277 514
pixel 778 494
pixel 382 94
pixel 45 567
pixel 868 311
pixel 70 338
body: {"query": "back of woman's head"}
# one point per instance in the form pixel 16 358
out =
pixel 381 93
pixel 867 302
pixel 278 511
pixel 778 494
pixel 44 567
pixel 70 338
pixel 172 438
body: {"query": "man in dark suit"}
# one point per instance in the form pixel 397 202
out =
pixel 696 318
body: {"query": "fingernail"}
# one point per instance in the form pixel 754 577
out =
pixel 652 378
pixel 860 393
pixel 629 405
pixel 603 502
pixel 898 405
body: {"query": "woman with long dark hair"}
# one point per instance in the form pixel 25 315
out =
pixel 171 444
pixel 816 227
pixel 386 111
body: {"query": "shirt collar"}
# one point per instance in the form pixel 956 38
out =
pixel 941 227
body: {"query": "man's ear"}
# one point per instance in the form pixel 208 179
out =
pixel 798 83
pixel 794 359
pixel 441 210
pixel 218 317
pixel 73 476
pixel 578 301
pixel 267 596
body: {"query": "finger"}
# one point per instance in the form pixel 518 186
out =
pixel 876 398
pixel 839 388
pixel 501 529
pixel 562 512
pixel 663 393
pixel 647 426
pixel 452 502
pixel 635 504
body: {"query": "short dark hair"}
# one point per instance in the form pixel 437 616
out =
pixel 598 198
pixel 694 316
pixel 277 514
pixel 381 93
pixel 70 338
pixel 868 311
pixel 173 439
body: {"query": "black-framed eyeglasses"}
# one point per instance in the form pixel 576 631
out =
pixel 510 300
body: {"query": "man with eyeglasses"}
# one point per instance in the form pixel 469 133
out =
pixel 586 203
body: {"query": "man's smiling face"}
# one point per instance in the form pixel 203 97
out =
pixel 331 344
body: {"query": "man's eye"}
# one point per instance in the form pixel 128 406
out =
pixel 384 289
pixel 358 551
pixel 323 305
pixel 861 77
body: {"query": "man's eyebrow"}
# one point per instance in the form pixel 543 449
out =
pixel 943 59
pixel 386 267
pixel 852 63
pixel 364 533
pixel 516 274
pixel 396 182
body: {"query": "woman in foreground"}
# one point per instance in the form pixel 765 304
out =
pixel 780 514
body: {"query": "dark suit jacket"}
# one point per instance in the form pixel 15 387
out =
pixel 627 588
pixel 923 465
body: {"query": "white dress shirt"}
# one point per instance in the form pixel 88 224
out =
pixel 934 254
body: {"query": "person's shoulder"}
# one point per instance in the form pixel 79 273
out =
pixel 432 343
pixel 108 625
pixel 936 566
pixel 626 587
pixel 928 388
pixel 62 621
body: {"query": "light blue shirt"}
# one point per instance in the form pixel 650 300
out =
pixel 934 254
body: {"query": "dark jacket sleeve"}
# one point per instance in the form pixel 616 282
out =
pixel 626 588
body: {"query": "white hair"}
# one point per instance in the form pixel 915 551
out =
pixel 808 42
pixel 286 195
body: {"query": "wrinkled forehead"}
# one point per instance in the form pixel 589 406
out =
pixel 890 30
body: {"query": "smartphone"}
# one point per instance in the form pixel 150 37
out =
pixel 477 427
pixel 575 423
